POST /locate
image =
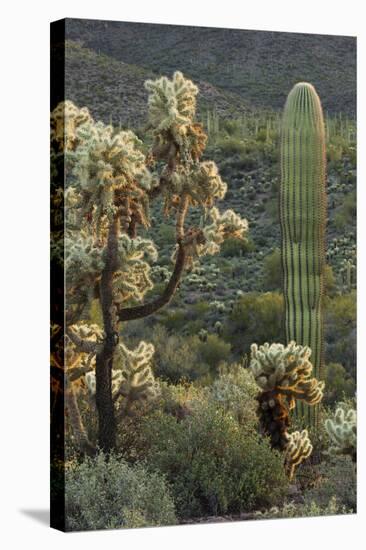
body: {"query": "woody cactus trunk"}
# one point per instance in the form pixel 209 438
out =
pixel 302 217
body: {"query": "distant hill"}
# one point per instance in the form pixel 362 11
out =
pixel 114 90
pixel 258 67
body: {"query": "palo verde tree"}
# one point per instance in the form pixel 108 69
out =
pixel 110 184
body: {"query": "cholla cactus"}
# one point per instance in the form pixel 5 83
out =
pixel 342 431
pixel 172 106
pixel 160 273
pixel 111 174
pixel 225 225
pixel 284 376
pixel 83 261
pixel 80 349
pixel 132 377
pixel 298 449
pixel 65 120
pixel 202 183
pixel 132 279
pixel 107 191
pixel 286 370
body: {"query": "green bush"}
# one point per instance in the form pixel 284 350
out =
pixel 255 318
pixel 347 213
pixel 236 247
pixel 272 271
pixel 110 494
pixel 177 357
pixel 231 145
pixel 340 331
pixel 214 465
pixel 213 351
pixel 338 384
pixel 235 391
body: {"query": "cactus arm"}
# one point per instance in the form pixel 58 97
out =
pixel 138 312
pixel 82 345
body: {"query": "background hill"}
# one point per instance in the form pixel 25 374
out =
pixel 258 67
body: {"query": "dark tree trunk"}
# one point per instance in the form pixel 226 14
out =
pixel 104 359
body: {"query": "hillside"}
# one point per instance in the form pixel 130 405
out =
pixel 114 90
pixel 260 67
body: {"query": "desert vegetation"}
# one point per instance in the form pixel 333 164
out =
pixel 196 376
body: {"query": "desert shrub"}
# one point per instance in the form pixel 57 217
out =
pixel 338 384
pixel 235 247
pixel 235 391
pixel 329 281
pixel 255 318
pixel 201 308
pixel 177 357
pixel 110 494
pixel 232 127
pixel 337 478
pixel 174 319
pixel 348 211
pixel 231 145
pixel 213 351
pixel 309 509
pixel 272 270
pixel 166 233
pixel 340 331
pixel 214 465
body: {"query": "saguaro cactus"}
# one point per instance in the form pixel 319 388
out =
pixel 302 216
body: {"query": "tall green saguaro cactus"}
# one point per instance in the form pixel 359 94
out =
pixel 303 216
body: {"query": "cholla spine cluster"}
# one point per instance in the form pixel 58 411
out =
pixel 342 431
pixel 65 119
pixel 286 369
pixel 298 449
pixel 132 376
pixel 172 104
pixel 132 279
pixel 284 375
pixel 222 226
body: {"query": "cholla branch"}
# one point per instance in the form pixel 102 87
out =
pixel 283 375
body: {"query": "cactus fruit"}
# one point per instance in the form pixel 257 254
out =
pixel 303 216
pixel 283 375
pixel 342 431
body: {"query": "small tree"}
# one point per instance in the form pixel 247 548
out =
pixel 110 184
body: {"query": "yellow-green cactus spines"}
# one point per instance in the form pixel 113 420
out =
pixel 284 376
pixel 303 216
pixel 298 449
pixel 132 378
pixel 342 431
